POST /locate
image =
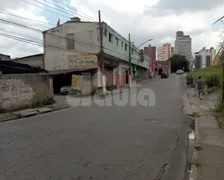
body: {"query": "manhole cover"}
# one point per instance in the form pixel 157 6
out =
pixel 152 120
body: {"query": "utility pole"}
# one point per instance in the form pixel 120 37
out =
pixel 129 56
pixel 103 79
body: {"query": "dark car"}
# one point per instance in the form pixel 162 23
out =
pixel 164 75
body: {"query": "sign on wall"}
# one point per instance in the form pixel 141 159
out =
pixel 83 60
pixel 77 82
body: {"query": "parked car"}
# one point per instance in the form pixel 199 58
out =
pixel 180 71
pixel 65 90
pixel 164 75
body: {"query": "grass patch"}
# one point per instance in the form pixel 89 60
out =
pixel 196 114
pixel 211 75
pixel 196 162
pixel 198 148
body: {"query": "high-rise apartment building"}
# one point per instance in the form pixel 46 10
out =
pixel 165 52
pixel 150 52
pixel 183 45
pixel 204 57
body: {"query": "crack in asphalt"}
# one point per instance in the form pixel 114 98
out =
pixel 166 163
pixel 85 166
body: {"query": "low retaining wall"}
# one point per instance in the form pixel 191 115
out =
pixel 24 91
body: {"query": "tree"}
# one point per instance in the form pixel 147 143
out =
pixel 179 62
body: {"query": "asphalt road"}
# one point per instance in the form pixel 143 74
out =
pixel 100 143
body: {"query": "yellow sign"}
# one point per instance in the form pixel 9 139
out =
pixel 0 73
pixel 84 60
pixel 76 82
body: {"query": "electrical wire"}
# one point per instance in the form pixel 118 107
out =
pixel 69 11
pixel 32 42
pixel 75 9
pixel 55 8
pixel 11 14
pixel 45 9
pixel 51 6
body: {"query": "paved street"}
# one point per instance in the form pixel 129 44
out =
pixel 100 143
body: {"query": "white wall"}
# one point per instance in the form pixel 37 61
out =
pixel 86 39
pixel 163 53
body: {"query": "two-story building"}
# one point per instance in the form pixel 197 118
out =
pixel 75 45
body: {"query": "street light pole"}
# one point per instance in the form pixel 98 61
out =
pixel 144 42
pixel 103 78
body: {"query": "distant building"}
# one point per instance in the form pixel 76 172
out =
pixel 204 58
pixel 162 66
pixel 150 52
pixel 165 52
pixel 36 60
pixel 4 57
pixel 183 45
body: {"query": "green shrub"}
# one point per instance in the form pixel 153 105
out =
pixel 210 75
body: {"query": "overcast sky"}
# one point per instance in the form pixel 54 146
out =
pixel 144 19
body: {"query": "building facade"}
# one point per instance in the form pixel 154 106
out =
pixel 204 58
pixel 162 66
pixel 150 52
pixel 165 52
pixel 36 60
pixel 183 45
pixel 4 57
pixel 78 47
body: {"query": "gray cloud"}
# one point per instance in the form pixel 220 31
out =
pixel 183 6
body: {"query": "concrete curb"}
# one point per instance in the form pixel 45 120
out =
pixel 29 113
pixel 187 110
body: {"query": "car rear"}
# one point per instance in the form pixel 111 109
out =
pixel 65 90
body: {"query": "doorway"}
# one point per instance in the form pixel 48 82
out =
pixel 126 81
pixel 160 71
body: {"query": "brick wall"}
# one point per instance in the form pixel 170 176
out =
pixel 23 91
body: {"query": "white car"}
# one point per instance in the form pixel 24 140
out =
pixel 180 71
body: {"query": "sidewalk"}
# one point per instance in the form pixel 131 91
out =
pixel 209 138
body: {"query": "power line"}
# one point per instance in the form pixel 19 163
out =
pixel 66 10
pixel 45 8
pixel 11 14
pixel 76 10
pixel 52 7
pixel 32 42
pixel 27 36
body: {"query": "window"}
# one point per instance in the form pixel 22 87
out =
pixel 105 32
pixel 70 41
pixel 122 43
pixel 132 50
pixel 208 61
pixel 117 41
pixel 110 37
pixel 126 47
